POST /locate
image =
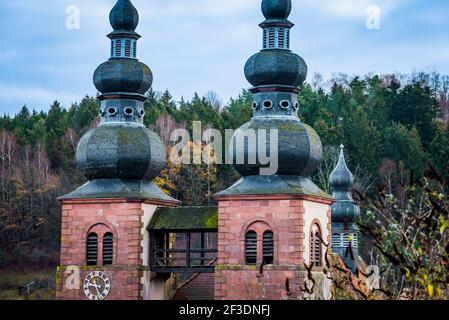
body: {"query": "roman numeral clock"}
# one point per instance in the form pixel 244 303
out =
pixel 97 285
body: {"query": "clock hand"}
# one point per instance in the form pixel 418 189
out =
pixel 97 286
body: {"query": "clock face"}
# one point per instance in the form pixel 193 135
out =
pixel 97 285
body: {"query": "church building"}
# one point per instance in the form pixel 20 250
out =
pixel 123 238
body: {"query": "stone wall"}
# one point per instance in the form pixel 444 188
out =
pixel 126 220
pixel 286 217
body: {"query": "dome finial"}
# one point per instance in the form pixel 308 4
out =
pixel 276 9
pixel 124 16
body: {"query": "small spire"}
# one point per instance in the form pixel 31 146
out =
pixel 341 178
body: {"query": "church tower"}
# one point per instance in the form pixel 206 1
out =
pixel 272 226
pixel 104 237
pixel 344 214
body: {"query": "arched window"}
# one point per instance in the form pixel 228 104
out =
pixel 92 249
pixel 251 248
pixel 315 246
pixel 108 248
pixel 268 247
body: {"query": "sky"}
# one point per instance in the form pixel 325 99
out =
pixel 202 45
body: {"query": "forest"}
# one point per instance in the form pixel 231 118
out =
pixel 394 128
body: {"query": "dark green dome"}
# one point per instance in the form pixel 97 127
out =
pixel 276 9
pixel 121 151
pixel 299 147
pixel 124 16
pixel 123 75
pixel 276 67
pixel 341 181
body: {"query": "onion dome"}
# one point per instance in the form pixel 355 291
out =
pixel 276 9
pixel 121 156
pixel 344 214
pixel 276 73
pixel 275 64
pixel 123 75
pixel 341 182
pixel 277 67
pixel 124 16
pixel 299 147
pixel 121 152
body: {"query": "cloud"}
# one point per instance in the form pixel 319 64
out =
pixel 349 8
pixel 40 97
pixel 200 45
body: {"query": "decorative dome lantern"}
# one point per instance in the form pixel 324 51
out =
pixel 345 213
pixel 276 74
pixel 121 156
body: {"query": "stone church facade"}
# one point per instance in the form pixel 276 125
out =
pixel 123 238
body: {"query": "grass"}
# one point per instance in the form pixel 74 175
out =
pixel 11 279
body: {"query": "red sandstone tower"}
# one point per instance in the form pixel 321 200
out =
pixel 272 226
pixel 104 238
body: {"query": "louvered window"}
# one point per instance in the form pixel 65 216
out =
pixel 108 248
pixel 288 39
pixel 265 38
pixel 355 240
pixel 268 247
pixel 128 48
pixel 281 38
pixel 92 249
pixel 336 240
pixel 251 248
pixel 347 238
pixel 271 38
pixel 118 48
pixel 134 49
pixel 315 246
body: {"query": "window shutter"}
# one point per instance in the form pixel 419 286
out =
pixel 336 240
pixel 281 38
pixel 92 249
pixel 128 48
pixel 251 248
pixel 315 246
pixel 268 247
pixel 118 48
pixel 271 38
pixel 108 248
